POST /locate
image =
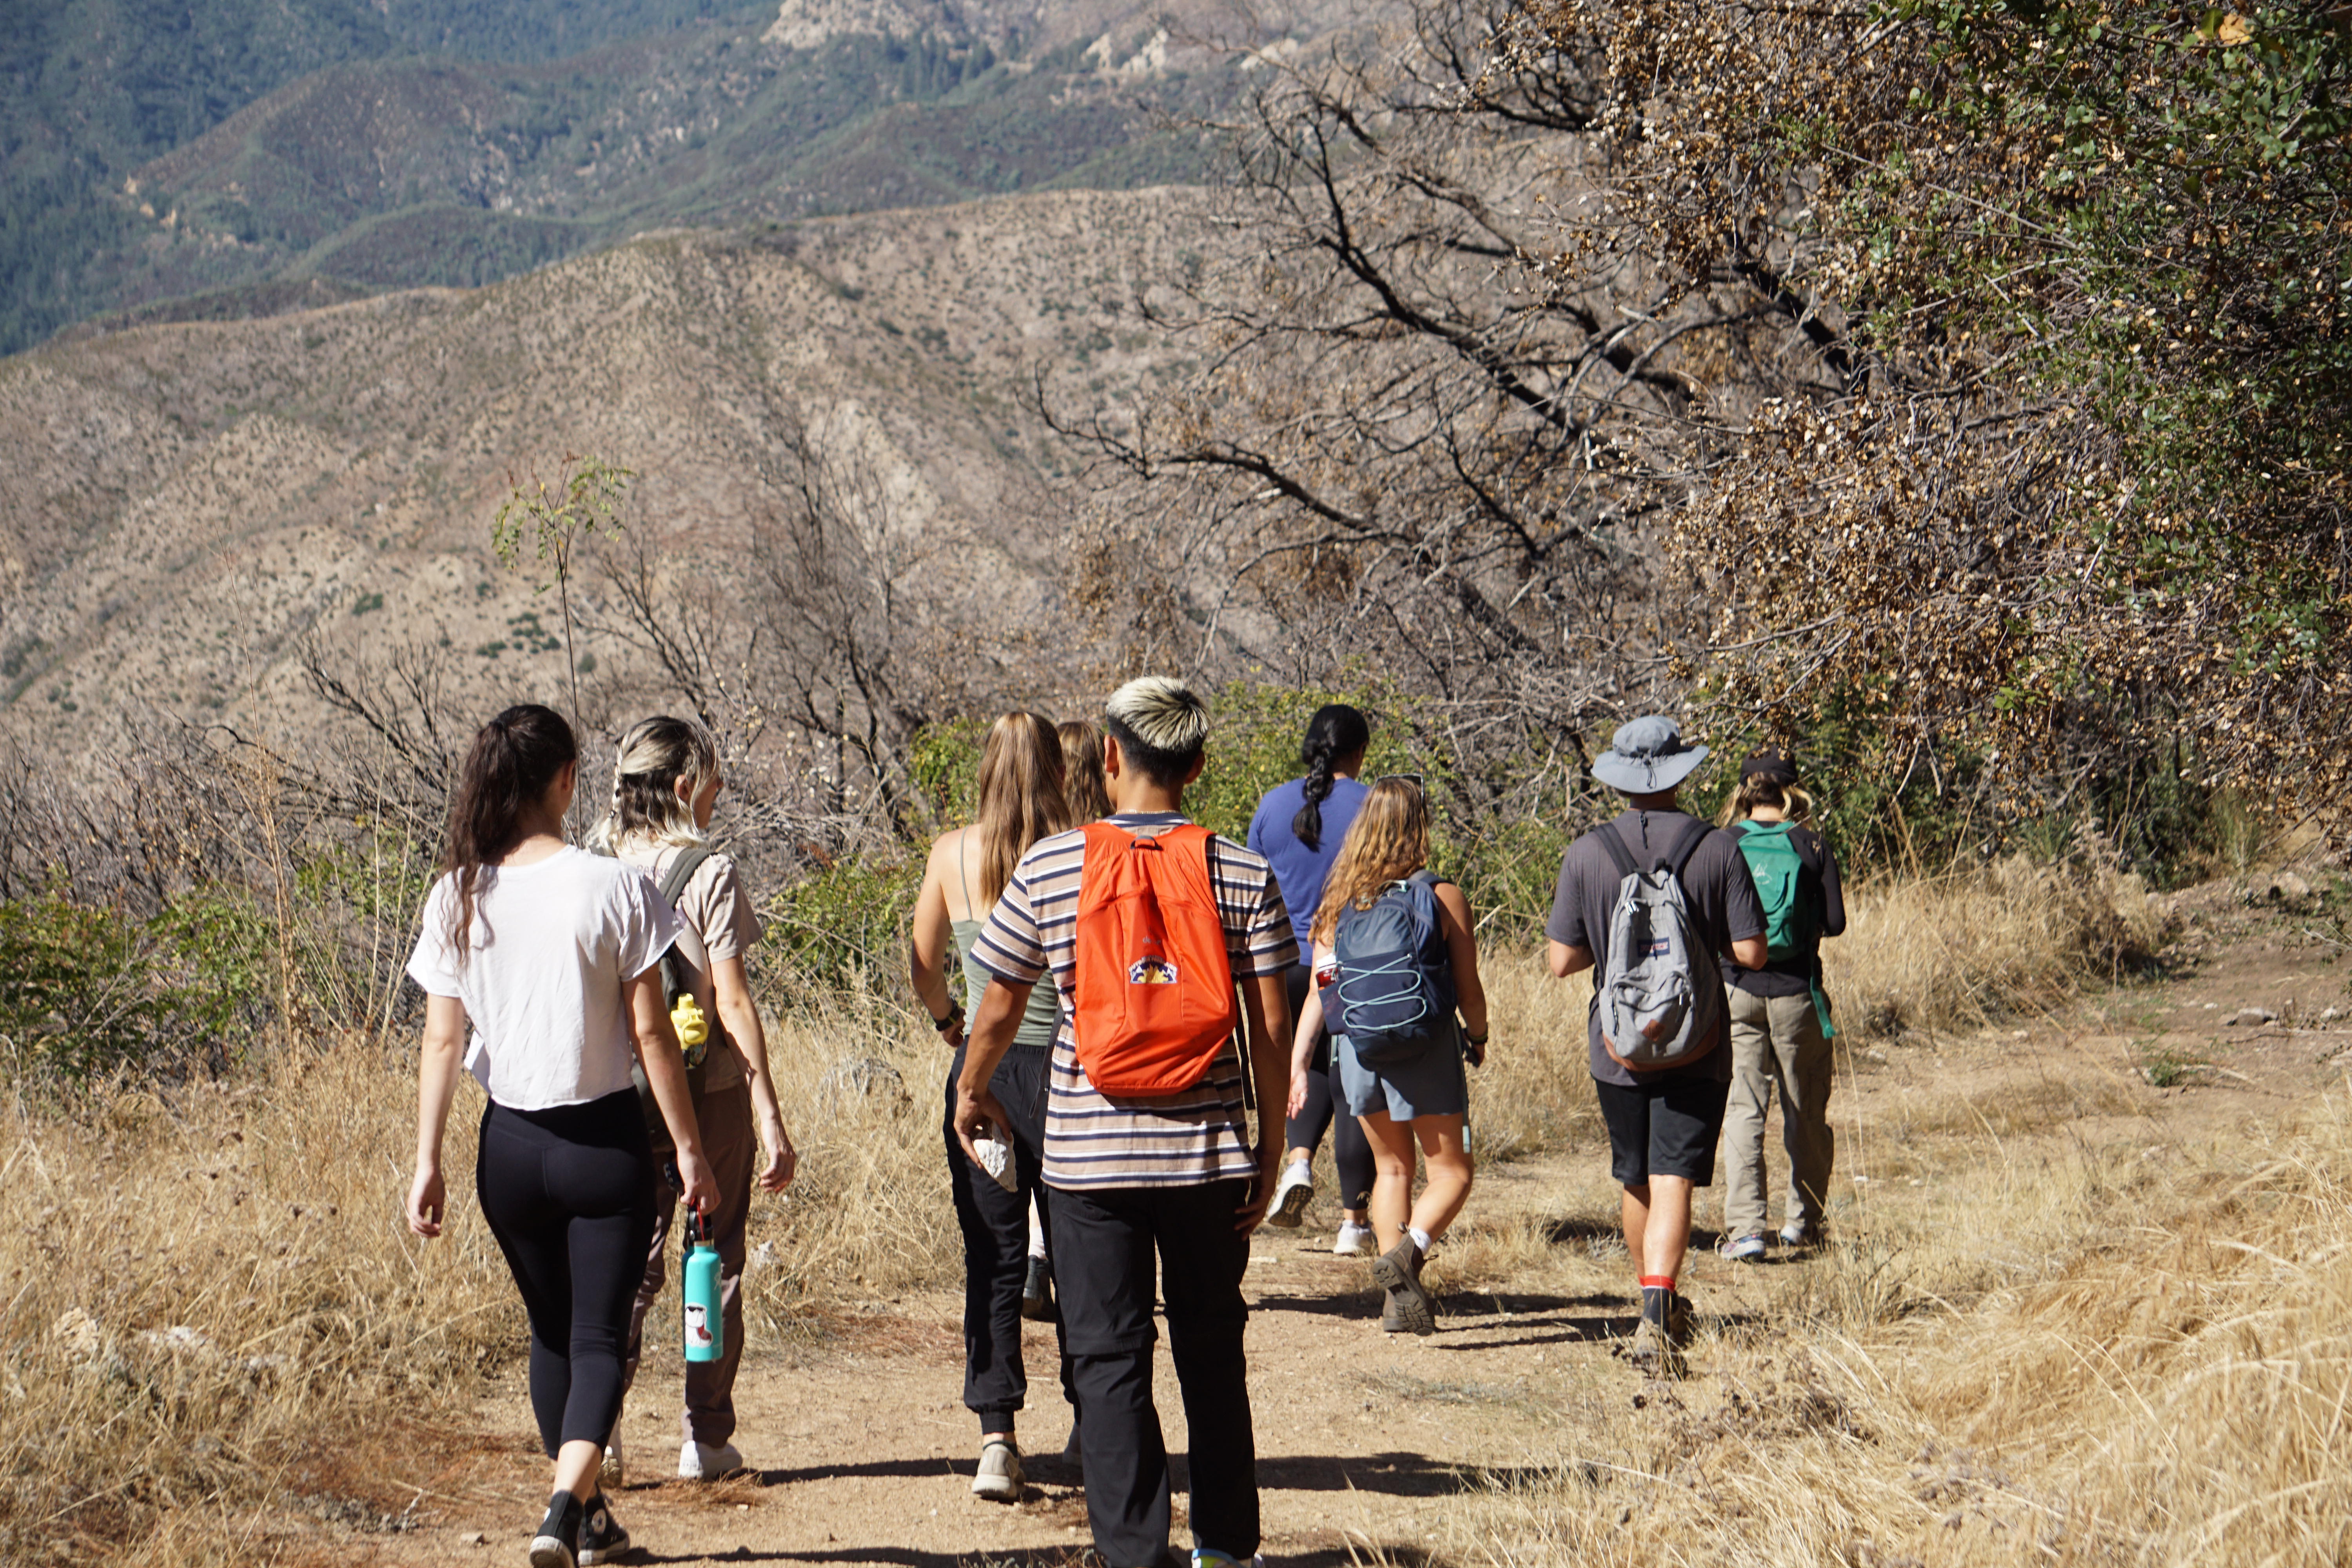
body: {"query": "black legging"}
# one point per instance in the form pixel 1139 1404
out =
pixel 568 1192
pixel 1350 1153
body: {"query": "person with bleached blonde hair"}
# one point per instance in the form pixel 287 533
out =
pixel 1422 1096
pixel 666 785
pixel 1156 1181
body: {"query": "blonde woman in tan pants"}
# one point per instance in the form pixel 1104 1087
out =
pixel 1780 1028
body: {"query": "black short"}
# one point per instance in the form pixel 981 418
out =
pixel 1666 1129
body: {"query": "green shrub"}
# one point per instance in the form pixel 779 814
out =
pixel 85 991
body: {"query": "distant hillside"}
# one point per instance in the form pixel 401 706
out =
pixel 180 504
pixel 90 89
pixel 151 153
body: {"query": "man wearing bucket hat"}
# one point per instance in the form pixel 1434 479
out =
pixel 1649 901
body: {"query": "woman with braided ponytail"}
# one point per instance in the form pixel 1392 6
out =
pixel 1298 829
pixel 666 785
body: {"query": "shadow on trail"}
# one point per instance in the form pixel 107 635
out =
pixel 935 1465
pixel 901 1557
pixel 1390 1475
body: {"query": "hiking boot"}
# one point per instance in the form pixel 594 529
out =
pixel 1037 1292
pixel 1398 1272
pixel 998 1479
pixel 1353 1241
pixel 1749 1248
pixel 602 1539
pixel 1291 1196
pixel 707 1462
pixel 1654 1353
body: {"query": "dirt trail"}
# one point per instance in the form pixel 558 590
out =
pixel 866 1457
pixel 862 1452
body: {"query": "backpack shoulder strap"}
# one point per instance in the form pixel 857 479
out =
pixel 1678 855
pixel 1614 843
pixel 681 871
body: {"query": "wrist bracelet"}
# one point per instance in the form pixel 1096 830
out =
pixel 1478 1039
pixel 955 1017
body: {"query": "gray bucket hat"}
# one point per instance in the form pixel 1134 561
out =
pixel 1647 755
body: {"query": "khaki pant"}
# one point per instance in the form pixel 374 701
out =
pixel 1776 1039
pixel 731 1147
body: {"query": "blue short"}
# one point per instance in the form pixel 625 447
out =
pixel 1434 1086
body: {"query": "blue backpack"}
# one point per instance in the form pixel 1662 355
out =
pixel 1395 990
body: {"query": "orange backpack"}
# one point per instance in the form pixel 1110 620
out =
pixel 1154 990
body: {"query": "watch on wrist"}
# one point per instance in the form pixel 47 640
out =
pixel 954 1017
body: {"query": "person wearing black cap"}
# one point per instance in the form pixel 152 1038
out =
pixel 1664 1116
pixel 1781 1028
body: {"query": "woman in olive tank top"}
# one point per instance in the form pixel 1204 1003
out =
pixel 1020 800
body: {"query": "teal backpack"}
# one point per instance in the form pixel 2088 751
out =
pixel 1791 925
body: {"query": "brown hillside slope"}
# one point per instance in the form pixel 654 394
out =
pixel 179 503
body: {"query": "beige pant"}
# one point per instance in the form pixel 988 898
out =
pixel 1776 1039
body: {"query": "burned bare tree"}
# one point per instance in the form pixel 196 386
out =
pixel 1401 445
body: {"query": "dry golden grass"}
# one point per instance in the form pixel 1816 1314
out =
pixel 2051 1363
pixel 1962 949
pixel 2033 1357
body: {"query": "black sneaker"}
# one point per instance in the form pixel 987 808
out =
pixel 556 1545
pixel 602 1539
pixel 1037 1292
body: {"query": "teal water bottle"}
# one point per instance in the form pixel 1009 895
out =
pixel 706 1332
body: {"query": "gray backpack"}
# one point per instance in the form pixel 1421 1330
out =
pixel 1654 1013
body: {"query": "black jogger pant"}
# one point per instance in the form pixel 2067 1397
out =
pixel 1103 1246
pixel 1351 1152
pixel 995 1226
pixel 568 1193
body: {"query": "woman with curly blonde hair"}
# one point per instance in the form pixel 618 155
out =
pixel 1426 1098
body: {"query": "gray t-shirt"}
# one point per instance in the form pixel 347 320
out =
pixel 1716 889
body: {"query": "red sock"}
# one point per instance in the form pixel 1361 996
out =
pixel 1657 1281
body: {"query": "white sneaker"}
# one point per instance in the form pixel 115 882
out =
pixel 614 1474
pixel 998 1475
pixel 702 1462
pixel 1291 1196
pixel 1355 1241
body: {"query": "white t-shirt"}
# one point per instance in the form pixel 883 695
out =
pixel 550 946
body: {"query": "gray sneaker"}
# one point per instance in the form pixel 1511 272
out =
pixel 1291 1196
pixel 613 1473
pixel 1747 1248
pixel 998 1477
pixel 1796 1234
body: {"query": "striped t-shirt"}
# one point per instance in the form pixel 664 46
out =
pixel 1188 1139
